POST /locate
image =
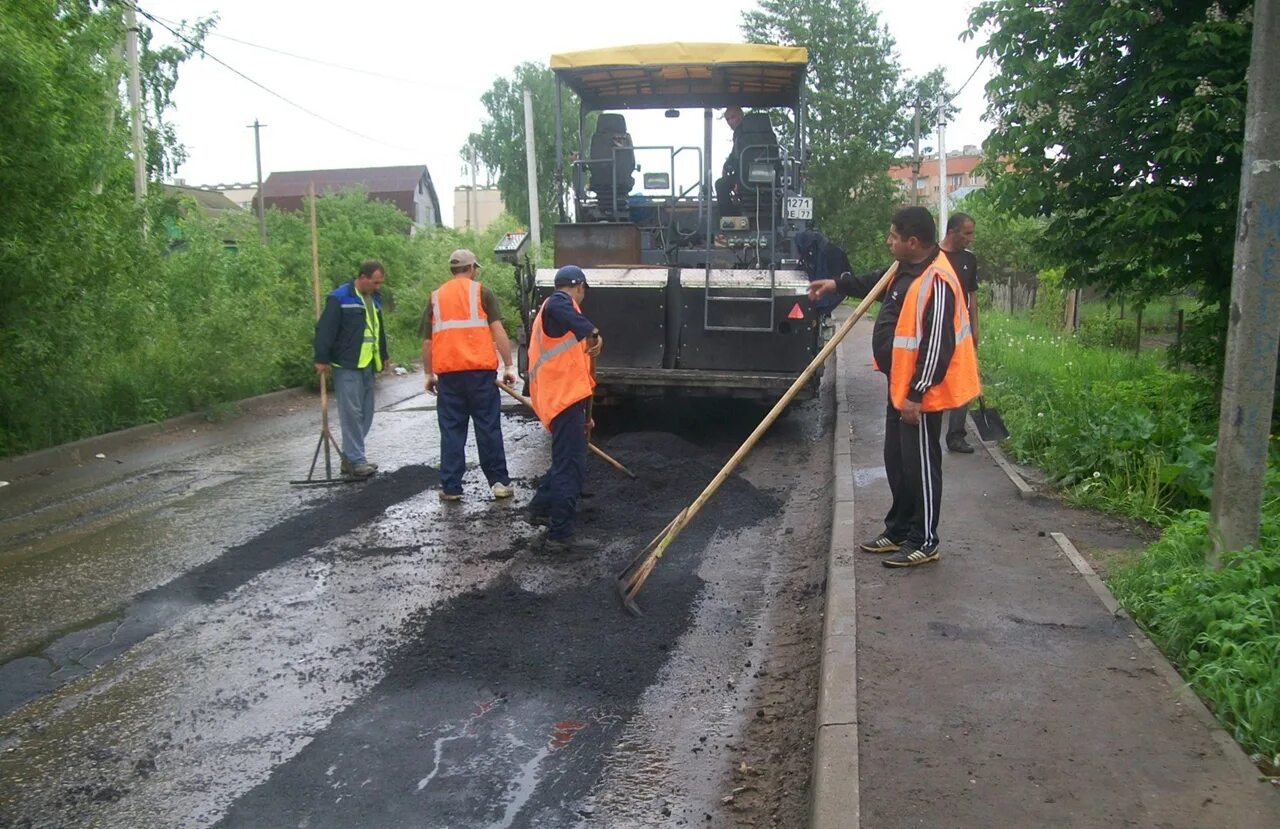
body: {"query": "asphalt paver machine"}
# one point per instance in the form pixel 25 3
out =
pixel 693 300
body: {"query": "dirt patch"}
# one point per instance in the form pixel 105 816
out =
pixel 773 762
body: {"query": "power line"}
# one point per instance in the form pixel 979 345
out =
pixel 971 76
pixel 318 61
pixel 261 86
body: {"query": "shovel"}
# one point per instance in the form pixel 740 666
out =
pixel 989 422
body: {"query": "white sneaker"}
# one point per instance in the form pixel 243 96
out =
pixel 501 490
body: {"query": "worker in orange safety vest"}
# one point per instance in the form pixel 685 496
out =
pixel 561 344
pixel 462 337
pixel 923 341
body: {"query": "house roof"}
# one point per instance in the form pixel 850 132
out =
pixel 656 76
pixel 373 179
pixel 210 201
pixel 376 181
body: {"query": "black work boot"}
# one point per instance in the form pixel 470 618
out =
pixel 957 443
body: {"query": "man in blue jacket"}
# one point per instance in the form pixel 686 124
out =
pixel 351 340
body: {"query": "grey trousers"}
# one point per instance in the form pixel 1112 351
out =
pixel 955 422
pixel 353 388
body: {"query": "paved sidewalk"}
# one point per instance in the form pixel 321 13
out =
pixel 994 687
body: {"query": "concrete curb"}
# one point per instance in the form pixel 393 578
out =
pixel 1186 697
pixel 836 797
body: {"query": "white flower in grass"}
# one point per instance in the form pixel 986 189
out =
pixel 1039 414
pixel 1097 474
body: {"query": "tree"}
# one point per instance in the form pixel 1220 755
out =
pixel 1123 123
pixel 500 143
pixel 74 263
pixel 857 113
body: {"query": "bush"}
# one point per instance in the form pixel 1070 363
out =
pixel 1051 300
pixel 1107 332
pixel 129 330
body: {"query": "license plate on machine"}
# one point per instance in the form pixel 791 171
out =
pixel 799 208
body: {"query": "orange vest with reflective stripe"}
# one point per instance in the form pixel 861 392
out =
pixel 559 370
pixel 960 384
pixel 460 335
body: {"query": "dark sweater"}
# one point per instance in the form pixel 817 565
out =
pixel 937 336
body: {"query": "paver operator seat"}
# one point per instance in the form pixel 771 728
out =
pixel 755 142
pixel 611 163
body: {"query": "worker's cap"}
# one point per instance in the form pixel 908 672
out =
pixel 462 258
pixel 570 275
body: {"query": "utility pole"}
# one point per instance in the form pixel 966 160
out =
pixel 531 160
pixel 942 164
pixel 257 152
pixel 135 103
pixel 1253 333
pixel 473 203
pixel 915 157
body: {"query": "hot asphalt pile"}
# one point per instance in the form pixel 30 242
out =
pixel 529 678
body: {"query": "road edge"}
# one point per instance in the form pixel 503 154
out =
pixel 76 453
pixel 836 796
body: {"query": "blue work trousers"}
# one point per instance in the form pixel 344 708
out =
pixel 353 388
pixel 469 396
pixel 557 495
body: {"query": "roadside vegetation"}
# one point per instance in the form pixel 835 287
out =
pixel 1126 434
pixel 194 322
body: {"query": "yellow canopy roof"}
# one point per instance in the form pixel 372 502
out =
pixel 665 75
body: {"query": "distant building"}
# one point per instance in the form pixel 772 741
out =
pixel 476 209
pixel 408 188
pixel 961 174
pixel 210 202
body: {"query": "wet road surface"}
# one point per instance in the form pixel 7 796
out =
pixel 188 641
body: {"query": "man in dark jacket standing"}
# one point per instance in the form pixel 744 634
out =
pixel 960 228
pixel 821 259
pixel 351 340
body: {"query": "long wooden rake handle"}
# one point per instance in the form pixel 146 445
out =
pixel 644 563
pixel 600 453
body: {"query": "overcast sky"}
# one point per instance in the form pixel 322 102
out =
pixel 430 63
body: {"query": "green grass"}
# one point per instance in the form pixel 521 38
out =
pixel 1122 433
pixel 1115 431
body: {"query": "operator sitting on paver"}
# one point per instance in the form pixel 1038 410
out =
pixel 561 344
pixel 462 335
pixel 929 357
pixel 727 184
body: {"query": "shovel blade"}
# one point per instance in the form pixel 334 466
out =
pixel 989 424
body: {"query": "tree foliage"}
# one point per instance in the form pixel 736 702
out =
pixel 1123 123
pixel 500 143
pixel 858 112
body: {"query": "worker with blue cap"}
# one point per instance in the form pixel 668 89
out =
pixel 562 344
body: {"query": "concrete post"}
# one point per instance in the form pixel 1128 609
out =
pixel 942 169
pixel 257 154
pixel 532 161
pixel 1253 332
pixel 135 103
